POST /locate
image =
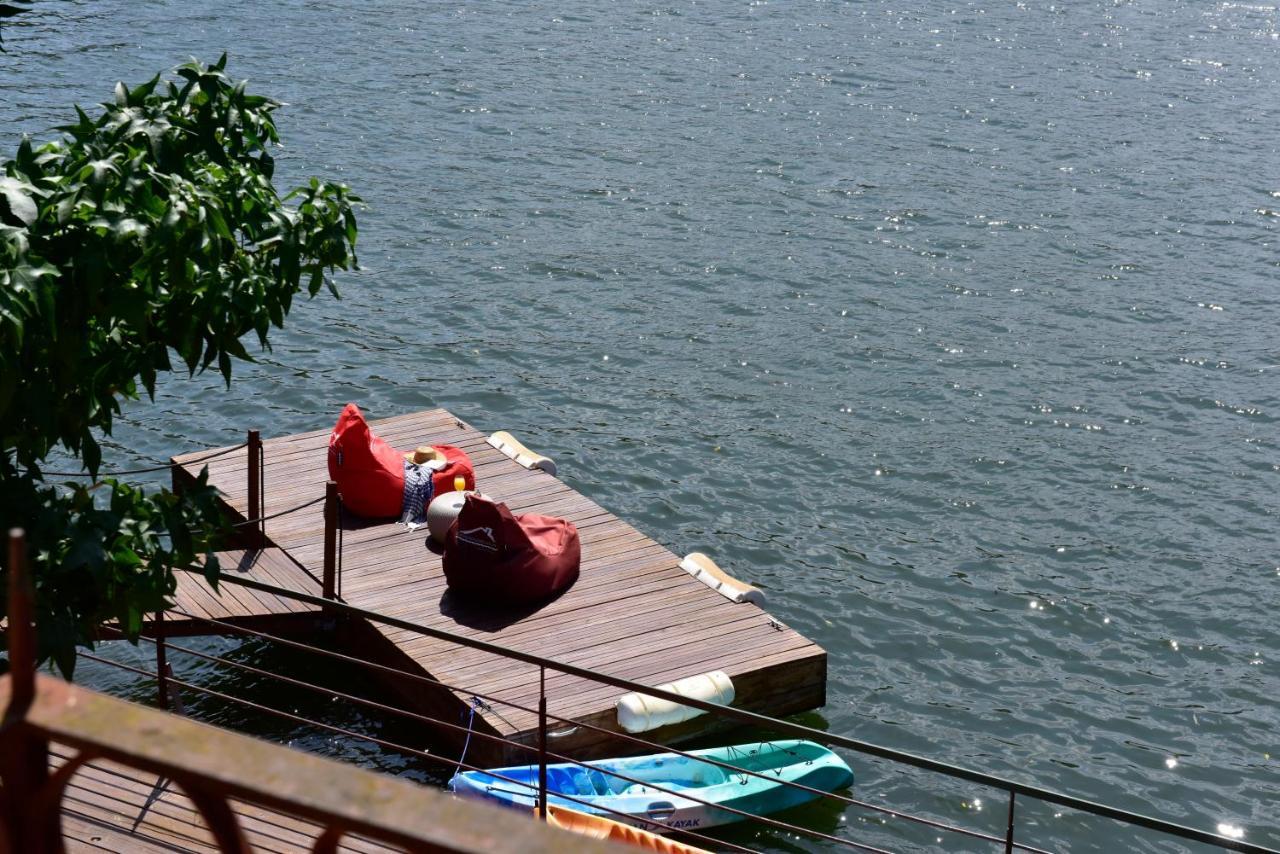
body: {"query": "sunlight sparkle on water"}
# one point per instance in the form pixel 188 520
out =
pixel 1231 831
pixel 1171 762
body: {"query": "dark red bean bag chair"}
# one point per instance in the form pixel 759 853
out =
pixel 368 471
pixel 491 554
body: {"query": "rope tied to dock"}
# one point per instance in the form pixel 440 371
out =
pixel 475 703
pixel 164 467
pixel 279 513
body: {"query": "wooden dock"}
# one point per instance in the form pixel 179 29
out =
pixel 633 613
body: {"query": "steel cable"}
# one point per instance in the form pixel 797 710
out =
pixel 795 730
pixel 469 732
pixel 278 514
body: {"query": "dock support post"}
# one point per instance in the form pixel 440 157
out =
pixel 1008 836
pixel 330 539
pixel 254 445
pixel 542 742
pixel 162 665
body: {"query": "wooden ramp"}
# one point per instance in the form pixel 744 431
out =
pixel 240 606
pixel 633 613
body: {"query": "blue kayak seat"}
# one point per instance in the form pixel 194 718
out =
pixel 599 784
pixel 708 775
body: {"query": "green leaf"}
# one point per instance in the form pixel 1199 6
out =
pixel 212 570
pixel 219 223
pixel 19 204
pixel 65 657
pixel 140 93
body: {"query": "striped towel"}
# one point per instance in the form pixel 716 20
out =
pixel 418 489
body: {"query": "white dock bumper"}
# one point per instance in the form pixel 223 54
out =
pixel 515 449
pixel 705 570
pixel 640 712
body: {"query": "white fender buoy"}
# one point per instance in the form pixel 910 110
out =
pixel 705 570
pixel 515 449
pixel 640 712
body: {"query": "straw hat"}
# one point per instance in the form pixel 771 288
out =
pixel 426 455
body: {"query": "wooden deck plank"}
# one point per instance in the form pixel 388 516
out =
pixel 633 613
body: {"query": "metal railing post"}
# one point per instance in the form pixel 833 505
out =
pixel 342 522
pixel 175 699
pixel 542 742
pixel 162 665
pixel 330 538
pixel 254 449
pixel 1008 836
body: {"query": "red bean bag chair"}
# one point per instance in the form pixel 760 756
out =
pixel 457 464
pixel 490 553
pixel 430 470
pixel 368 471
pixel 371 474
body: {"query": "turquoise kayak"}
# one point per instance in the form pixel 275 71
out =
pixel 599 790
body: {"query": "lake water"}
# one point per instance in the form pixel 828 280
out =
pixel 953 325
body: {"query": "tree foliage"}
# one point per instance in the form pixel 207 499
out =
pixel 8 10
pixel 150 232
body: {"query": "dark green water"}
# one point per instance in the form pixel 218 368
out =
pixel 953 325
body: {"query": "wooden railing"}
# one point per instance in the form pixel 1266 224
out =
pixel 213 766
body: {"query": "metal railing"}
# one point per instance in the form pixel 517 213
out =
pixel 1012 789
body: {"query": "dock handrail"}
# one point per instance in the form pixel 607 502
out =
pixel 742 716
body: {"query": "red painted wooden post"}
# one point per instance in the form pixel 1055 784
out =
pixel 24 753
